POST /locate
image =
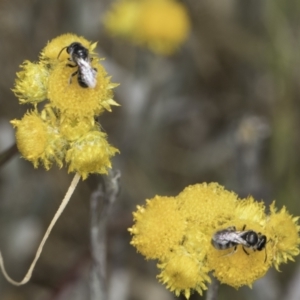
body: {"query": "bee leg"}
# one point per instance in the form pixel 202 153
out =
pixel 232 252
pixel 245 251
pixel 244 227
pixel 71 66
pixel 73 74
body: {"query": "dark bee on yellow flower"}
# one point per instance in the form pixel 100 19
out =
pixel 231 238
pixel 79 55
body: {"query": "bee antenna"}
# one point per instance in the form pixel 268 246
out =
pixel 61 51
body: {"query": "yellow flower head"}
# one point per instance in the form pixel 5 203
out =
pixel 76 88
pixel 283 230
pixel 31 83
pixel 182 273
pixel 73 129
pixel 163 25
pixel 122 18
pixel 38 141
pixel 54 48
pixel 249 209
pixel 71 99
pixel 159 227
pixel 229 265
pixel 207 205
pixel 213 231
pixel 90 154
pixel 160 25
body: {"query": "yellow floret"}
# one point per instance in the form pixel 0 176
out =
pixel 38 141
pixel 283 230
pixel 54 47
pixel 73 129
pixel 159 227
pixel 31 83
pixel 249 209
pixel 183 273
pixel 208 205
pixel 90 154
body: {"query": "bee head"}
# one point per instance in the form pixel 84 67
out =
pixel 261 243
pixel 76 51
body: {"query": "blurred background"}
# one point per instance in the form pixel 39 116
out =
pixel 223 108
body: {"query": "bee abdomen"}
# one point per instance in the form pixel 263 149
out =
pixel 222 245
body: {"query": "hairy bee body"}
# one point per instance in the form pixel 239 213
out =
pixel 79 55
pixel 231 238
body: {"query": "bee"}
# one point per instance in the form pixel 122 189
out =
pixel 231 238
pixel 79 55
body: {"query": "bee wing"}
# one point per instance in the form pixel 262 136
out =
pixel 226 237
pixel 88 74
pixel 237 237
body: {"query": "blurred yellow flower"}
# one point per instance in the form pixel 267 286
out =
pixel 160 25
pixel 213 231
pixel 76 88
pixel 122 18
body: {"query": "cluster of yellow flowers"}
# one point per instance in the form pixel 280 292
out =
pixel 177 231
pixel 65 129
pixel 160 25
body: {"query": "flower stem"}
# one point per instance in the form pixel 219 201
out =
pixel 8 154
pixel 102 201
pixel 213 289
pixel 40 248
